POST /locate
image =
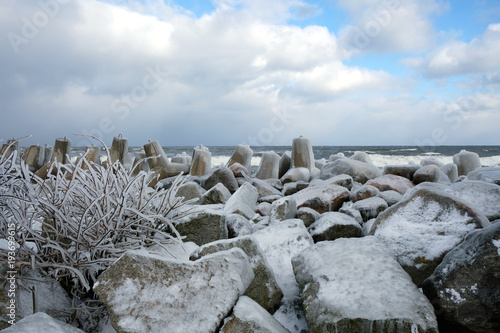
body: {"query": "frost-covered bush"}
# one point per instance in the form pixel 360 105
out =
pixel 82 218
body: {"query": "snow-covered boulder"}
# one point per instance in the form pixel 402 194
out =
pixel 466 162
pixel 237 225
pixel 405 170
pixel 280 242
pixel 307 215
pixel 322 198
pixel 424 226
pixel 190 190
pixel 203 224
pixel 362 157
pixel 41 322
pixel 218 194
pixel 222 175
pixel 264 188
pixel 341 180
pixel 239 170
pixel 370 208
pixel 148 293
pixel 363 192
pixel 391 182
pixel 249 317
pixel 451 170
pixel 465 288
pixel 295 175
pixel 430 173
pixel 264 209
pixel 269 166
pixel 484 196
pixel 391 197
pixel 355 285
pixel 354 213
pixel 486 174
pixel 359 171
pixel 333 225
pixel 263 289
pixel 243 201
pixel 284 208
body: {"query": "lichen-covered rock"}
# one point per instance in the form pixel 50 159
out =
pixel 204 224
pixel 333 225
pixel 359 171
pixel 391 182
pixel 370 208
pixel 322 198
pixel 263 289
pixel 355 285
pixel 465 288
pixel 424 226
pixel 249 317
pixel 148 293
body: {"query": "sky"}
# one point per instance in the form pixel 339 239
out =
pixel 229 72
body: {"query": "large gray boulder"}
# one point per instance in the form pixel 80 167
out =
pixel 307 215
pixel 190 190
pixel 280 242
pixel 202 224
pixel 243 201
pixel 465 288
pixel 391 182
pixel 484 196
pixel 363 192
pixel 430 173
pixel 322 198
pixel 486 174
pixel 263 289
pixel 359 171
pixel 41 322
pixel 148 293
pixel 425 225
pixel 370 208
pixel 222 175
pixel 355 285
pixel 466 162
pixel 333 225
pixel 249 317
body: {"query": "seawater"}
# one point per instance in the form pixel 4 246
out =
pixel 380 155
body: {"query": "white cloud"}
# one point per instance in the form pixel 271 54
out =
pixel 459 58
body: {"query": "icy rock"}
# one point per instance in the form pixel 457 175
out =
pixel 307 215
pixel 333 225
pixel 41 322
pixel 363 192
pixel 222 175
pixel 430 161
pixel 270 198
pixel 263 289
pixel 237 225
pixel 242 155
pixel 264 188
pixel 319 163
pixel 290 188
pixel 391 197
pixel 284 209
pixel 359 171
pixel 391 183
pixel 295 175
pixel 335 157
pixel 362 157
pixel 487 174
pixel 183 158
pixel 218 194
pixel 190 190
pixel 355 285
pixel 264 209
pixel 280 242
pixel 249 317
pixel 465 287
pixel 202 161
pixel 269 166
pixel 322 198
pixel 243 201
pixel 466 162
pixel 424 226
pixel 451 170
pixel 484 196
pixel 354 213
pixel 430 173
pixel 370 208
pixel 302 153
pixel 148 293
pixel 406 171
pixel 203 224
pixel 239 170
pixel 285 163
pixel 341 180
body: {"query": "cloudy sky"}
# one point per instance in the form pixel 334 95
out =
pixel 224 72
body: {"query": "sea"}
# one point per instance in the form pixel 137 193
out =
pixel 380 155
